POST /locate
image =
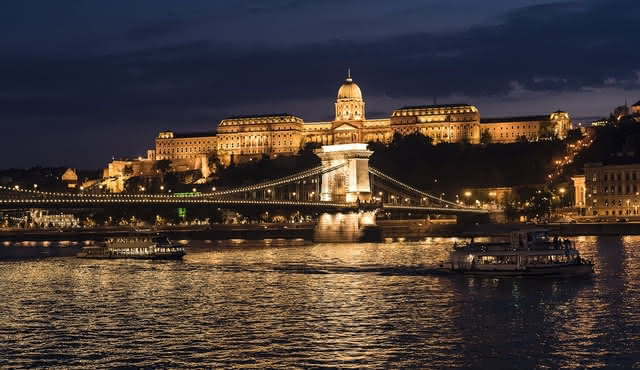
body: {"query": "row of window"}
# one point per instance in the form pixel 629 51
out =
pixel 177 142
pixel 616 176
pixel 620 203
pixel 620 212
pixel 620 189
pixel 185 150
pixel 530 127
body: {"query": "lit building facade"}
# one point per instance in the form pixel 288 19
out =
pixel 510 129
pixel 443 123
pixel 244 138
pixel 611 190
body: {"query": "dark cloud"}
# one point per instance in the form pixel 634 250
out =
pixel 553 48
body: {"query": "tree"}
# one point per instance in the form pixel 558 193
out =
pixel 539 206
pixel 620 111
pixel 162 166
pixel 309 147
pixel 127 170
pixel 547 130
pixel 485 137
pixel 214 162
pixel 511 210
pixel 523 139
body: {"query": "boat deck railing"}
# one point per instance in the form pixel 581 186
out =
pixel 506 246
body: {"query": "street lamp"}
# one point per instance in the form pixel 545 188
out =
pixel 35 186
pixel 562 190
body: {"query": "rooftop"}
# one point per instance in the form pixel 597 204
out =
pixel 184 135
pixel 265 118
pixel 617 159
pixel 514 119
pixel 435 106
pixel 267 115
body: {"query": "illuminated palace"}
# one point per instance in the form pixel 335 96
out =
pixel 244 138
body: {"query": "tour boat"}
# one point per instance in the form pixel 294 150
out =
pixel 150 246
pixel 527 253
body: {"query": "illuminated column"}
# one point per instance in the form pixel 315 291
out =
pixel 579 190
pixel 349 183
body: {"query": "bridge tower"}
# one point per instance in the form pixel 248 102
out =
pixel 350 182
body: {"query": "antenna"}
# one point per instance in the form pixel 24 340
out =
pixel 434 100
pixel 348 72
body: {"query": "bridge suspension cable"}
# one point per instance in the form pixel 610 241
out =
pixel 378 173
pixel 281 181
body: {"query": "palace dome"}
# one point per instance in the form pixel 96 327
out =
pixel 349 89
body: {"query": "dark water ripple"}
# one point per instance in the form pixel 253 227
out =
pixel 348 306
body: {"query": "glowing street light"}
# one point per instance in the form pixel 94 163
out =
pixel 562 190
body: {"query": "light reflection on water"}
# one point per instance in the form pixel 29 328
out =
pixel 346 305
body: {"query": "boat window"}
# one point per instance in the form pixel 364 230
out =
pixel 545 260
pixel 497 260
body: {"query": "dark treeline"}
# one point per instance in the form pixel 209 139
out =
pixel 47 178
pixel 449 168
pixel 265 169
pixel 612 143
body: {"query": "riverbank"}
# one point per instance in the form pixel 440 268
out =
pixel 209 232
pixel 384 229
pixel 417 229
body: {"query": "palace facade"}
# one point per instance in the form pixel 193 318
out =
pixel 245 138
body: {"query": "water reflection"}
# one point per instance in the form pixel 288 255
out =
pixel 344 305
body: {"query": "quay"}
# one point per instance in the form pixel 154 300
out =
pixel 409 229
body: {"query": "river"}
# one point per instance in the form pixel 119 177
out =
pixel 322 305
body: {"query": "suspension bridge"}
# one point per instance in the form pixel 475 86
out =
pixel 344 182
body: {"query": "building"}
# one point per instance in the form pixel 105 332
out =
pixel 635 109
pixel 70 178
pixel 443 123
pixel 531 128
pixel 611 190
pixel 245 138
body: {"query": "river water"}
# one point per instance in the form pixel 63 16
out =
pixel 323 305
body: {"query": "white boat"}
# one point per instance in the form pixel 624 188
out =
pixel 528 252
pixel 143 246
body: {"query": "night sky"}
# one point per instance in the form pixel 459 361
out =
pixel 84 81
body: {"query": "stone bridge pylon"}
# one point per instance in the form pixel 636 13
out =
pixel 350 182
